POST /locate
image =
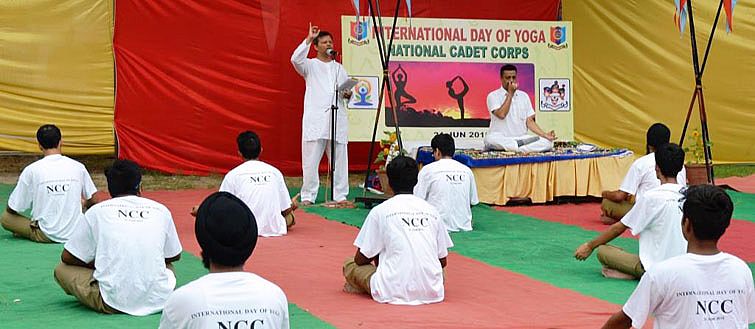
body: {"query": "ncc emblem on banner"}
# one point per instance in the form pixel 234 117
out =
pixel 359 33
pixel 555 95
pixel 558 38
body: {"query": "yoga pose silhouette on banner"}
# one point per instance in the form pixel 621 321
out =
pixel 399 80
pixel 458 96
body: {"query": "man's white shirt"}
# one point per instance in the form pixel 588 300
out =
pixel 450 187
pixel 695 291
pixel 514 124
pixel 263 190
pixel 227 300
pixel 53 187
pixel 321 79
pixel 129 238
pixel 657 218
pixel 641 176
pixel 410 238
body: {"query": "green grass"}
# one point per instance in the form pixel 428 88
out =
pixel 730 170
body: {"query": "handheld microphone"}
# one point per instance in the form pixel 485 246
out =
pixel 331 52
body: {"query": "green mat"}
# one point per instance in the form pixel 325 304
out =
pixel 744 205
pixel 30 298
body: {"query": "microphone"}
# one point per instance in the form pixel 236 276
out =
pixel 331 52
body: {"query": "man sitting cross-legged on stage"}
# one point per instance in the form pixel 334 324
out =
pixel 227 233
pixel 53 187
pixel 511 115
pixel 407 241
pixel 261 187
pixel 655 218
pixel 704 288
pixel 448 185
pixel 639 179
pixel 117 259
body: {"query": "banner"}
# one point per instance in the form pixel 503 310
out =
pixel 193 74
pixel 56 66
pixel 441 71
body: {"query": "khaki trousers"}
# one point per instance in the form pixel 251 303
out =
pixel 620 260
pixel 23 227
pixel 616 210
pixel 79 282
pixel 359 276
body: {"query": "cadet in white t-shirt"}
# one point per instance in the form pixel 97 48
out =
pixel 704 288
pixel 448 185
pixel 511 115
pixel 53 187
pixel 132 240
pixel 227 297
pixel 406 239
pixel 639 179
pixel 261 187
pixel 655 218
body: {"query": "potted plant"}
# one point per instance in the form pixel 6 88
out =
pixel 695 154
pixel 389 149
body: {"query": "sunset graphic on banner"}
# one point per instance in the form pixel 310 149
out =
pixel 426 83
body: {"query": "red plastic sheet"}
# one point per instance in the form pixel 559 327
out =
pixel 191 75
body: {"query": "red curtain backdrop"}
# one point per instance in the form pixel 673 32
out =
pixel 191 75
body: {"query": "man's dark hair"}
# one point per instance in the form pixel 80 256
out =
pixel 708 209
pixel 249 145
pixel 123 178
pixel 225 229
pixel 402 174
pixel 48 136
pixel 508 67
pixel 321 35
pixel 657 135
pixel 670 159
pixel 445 143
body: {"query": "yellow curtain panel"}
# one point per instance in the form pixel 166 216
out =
pixel 632 67
pixel 56 66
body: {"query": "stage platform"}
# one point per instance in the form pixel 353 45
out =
pixel 565 172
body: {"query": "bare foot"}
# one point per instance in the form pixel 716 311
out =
pixel 615 274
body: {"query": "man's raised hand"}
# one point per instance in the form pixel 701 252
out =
pixel 313 31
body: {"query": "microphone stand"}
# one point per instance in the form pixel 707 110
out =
pixel 333 119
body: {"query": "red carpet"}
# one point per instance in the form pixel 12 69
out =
pixel 307 265
pixel 741 184
pixel 737 239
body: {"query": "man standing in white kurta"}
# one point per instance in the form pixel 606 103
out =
pixel 322 75
pixel 511 115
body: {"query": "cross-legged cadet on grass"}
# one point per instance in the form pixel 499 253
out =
pixel 655 218
pixel 639 179
pixel 704 288
pixel 53 188
pixel 117 259
pixel 407 242
pixel 227 233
